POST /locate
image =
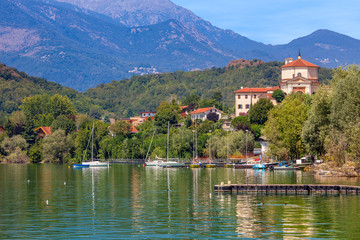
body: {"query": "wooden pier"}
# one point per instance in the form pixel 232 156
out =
pixel 286 188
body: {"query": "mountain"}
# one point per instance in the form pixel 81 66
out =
pixel 323 47
pixel 134 13
pixel 82 49
pixel 98 41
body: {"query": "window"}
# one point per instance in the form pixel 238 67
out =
pixel 254 96
pixel 247 106
pixel 245 96
pixel 239 96
pixel 240 106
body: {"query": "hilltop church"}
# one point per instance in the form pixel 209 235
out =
pixel 296 76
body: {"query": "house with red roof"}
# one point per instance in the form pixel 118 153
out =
pixel 202 113
pixel 41 132
pixel 296 76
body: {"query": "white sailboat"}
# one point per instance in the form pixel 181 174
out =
pixel 174 161
pixel 159 162
pixel 92 163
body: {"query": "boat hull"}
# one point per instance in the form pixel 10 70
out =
pixel 155 163
pixel 80 165
pixel 91 164
pixel 243 166
pixel 283 168
pixel 172 164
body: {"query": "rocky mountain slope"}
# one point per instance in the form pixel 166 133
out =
pixel 81 49
pixel 98 41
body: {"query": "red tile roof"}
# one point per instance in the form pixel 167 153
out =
pixel 133 129
pixel 182 107
pixel 46 130
pixel 146 118
pixel 256 90
pixel 267 95
pixel 201 110
pixel 300 63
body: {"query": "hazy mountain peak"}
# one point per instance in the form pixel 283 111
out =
pixel 136 12
pixel 121 5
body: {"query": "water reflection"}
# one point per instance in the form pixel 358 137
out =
pixel 142 202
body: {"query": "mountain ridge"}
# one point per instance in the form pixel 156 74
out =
pixel 80 48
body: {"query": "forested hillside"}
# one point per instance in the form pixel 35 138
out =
pixel 15 86
pixel 142 93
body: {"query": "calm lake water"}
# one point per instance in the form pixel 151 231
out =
pixel 131 201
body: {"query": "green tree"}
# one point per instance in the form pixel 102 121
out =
pixel 61 105
pixel 192 99
pixel 15 149
pixel 188 121
pixel 345 115
pixel 258 114
pixel 121 128
pixel 316 127
pixel 65 123
pixel 15 125
pixel 256 130
pixel 213 117
pixel 43 109
pixel 166 112
pixel 10 144
pixel 217 96
pixel 241 123
pixel 57 147
pixel 35 153
pixel 284 126
pixel 223 143
pixel 278 95
pixel 345 108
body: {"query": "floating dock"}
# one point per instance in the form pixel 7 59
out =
pixel 286 188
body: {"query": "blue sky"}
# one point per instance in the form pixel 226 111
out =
pixel 279 21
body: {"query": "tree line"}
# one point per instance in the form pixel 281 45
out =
pixel 324 125
pixel 69 139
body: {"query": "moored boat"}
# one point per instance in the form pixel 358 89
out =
pixel 92 163
pixel 285 167
pixel 259 166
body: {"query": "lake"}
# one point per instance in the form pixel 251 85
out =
pixel 131 201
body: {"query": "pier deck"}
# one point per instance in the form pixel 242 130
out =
pixel 286 188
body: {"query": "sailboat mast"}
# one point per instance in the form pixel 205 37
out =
pixel 196 147
pixel 92 144
pixel 167 151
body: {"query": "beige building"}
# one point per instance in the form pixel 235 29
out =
pixel 296 76
pixel 245 97
pixel 299 76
